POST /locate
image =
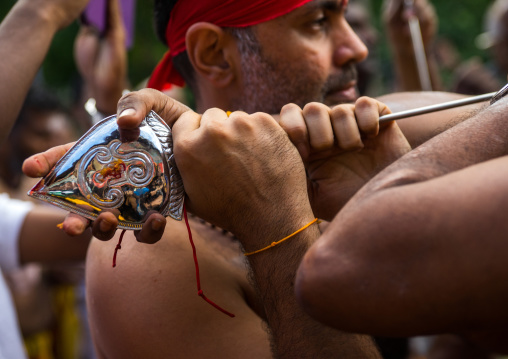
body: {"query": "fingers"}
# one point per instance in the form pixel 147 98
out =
pixel 75 225
pixel 318 128
pixel 213 117
pixel 188 121
pixel 309 129
pixel 40 164
pixel 367 113
pixel 317 117
pixel 292 121
pixel 135 106
pixel 152 230
pixel 345 127
pixel 104 227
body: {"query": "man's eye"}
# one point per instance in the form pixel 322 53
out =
pixel 320 22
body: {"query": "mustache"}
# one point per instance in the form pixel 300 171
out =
pixel 341 80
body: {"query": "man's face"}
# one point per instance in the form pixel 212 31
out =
pixel 307 55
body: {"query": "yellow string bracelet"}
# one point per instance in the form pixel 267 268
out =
pixel 273 244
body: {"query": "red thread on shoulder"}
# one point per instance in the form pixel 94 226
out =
pixel 198 282
pixel 118 246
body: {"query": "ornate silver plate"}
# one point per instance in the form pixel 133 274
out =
pixel 103 172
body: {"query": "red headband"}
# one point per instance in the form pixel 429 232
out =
pixel 223 13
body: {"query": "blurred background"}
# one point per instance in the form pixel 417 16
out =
pixel 460 22
pixel 59 70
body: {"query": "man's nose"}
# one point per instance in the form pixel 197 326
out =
pixel 347 46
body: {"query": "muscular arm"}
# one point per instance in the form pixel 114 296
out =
pixel 425 238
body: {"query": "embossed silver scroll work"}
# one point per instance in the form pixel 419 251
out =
pixel 102 172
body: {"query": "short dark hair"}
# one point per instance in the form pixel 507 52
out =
pixel 162 13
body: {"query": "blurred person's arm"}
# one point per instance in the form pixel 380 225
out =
pixel 30 234
pixel 25 36
pixel 42 241
pixel 102 61
pixel 397 27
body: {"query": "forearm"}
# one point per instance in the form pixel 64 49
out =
pixel 293 333
pixel 40 240
pixel 25 37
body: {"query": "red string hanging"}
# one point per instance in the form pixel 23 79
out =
pixel 118 246
pixel 198 282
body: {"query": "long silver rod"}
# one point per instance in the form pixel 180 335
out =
pixel 438 107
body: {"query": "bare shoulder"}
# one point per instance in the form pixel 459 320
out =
pixel 400 101
pixel 147 306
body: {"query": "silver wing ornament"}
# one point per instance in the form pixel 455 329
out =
pixel 103 172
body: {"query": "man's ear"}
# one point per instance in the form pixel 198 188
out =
pixel 212 52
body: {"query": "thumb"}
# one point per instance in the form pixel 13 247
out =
pixel 135 106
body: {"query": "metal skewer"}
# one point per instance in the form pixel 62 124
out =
pixel 438 107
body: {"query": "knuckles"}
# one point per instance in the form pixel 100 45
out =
pixel 342 112
pixel 364 103
pixel 315 109
pixel 289 107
